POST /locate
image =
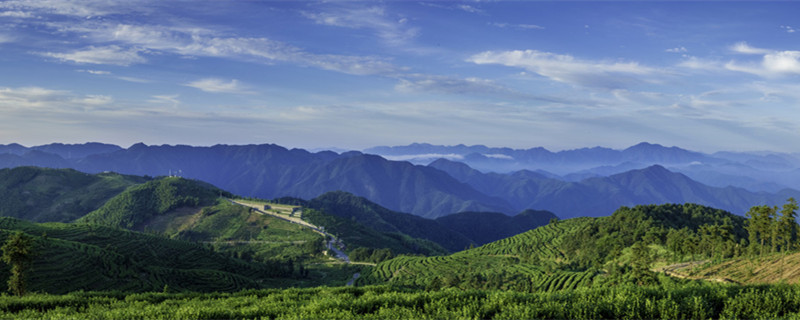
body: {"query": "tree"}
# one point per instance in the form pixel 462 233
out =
pixel 18 251
pixel 786 232
pixel 760 226
pixel 641 258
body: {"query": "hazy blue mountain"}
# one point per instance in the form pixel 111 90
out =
pixel 13 148
pixel 76 151
pixel 563 162
pixel 755 171
pixel 270 171
pixel 600 196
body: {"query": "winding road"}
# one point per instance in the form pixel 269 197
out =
pixel 331 244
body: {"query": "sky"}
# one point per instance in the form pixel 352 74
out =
pixel 705 76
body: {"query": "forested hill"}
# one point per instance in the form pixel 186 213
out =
pixel 580 252
pixel 454 232
pixel 50 195
pixel 139 204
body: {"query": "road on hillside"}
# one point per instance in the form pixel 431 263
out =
pixel 331 243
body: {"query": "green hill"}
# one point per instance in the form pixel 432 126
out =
pixel 74 257
pixel 57 195
pixel 136 206
pixel 576 252
pixel 374 216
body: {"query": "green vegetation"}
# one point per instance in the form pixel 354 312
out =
pixel 57 195
pixel 89 257
pixel 356 235
pixel 380 302
pixel 177 248
pixel 581 252
pixel 241 231
pixel 18 252
pixel 135 206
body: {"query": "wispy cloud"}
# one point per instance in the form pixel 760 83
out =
pixel 789 29
pixel 113 55
pixel 4 38
pixel 171 100
pixel 97 72
pixel 127 41
pixel 42 99
pixel 517 26
pixel 216 85
pixel 469 8
pixel 442 84
pixel 773 63
pixel 744 48
pixel 391 30
pixel 568 69
pixel 16 14
pixel 74 8
pixel 677 50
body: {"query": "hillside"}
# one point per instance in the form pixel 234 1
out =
pixel 57 195
pixel 75 257
pixel 573 253
pixel 193 210
pixel 454 232
pixel 134 207
pixel 369 214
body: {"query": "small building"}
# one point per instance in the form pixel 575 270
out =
pixel 267 207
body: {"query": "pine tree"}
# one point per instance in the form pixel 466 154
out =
pixel 18 251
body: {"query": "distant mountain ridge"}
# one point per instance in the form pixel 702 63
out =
pixel 442 188
pixel 271 171
pixel 599 196
pixel 755 171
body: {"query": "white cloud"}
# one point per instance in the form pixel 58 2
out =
pixel 95 100
pixel 74 8
pixel 4 38
pixel 677 50
pixel 97 72
pixel 744 48
pixel 16 14
pixel 789 29
pixel 469 8
pixel 696 63
pixel 568 69
pixel 392 31
pixel 518 26
pixel 773 63
pixel 114 55
pixel 38 98
pixel 171 100
pixel 218 86
pixel 441 84
pixel 194 42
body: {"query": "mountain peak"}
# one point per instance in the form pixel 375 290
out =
pixel 645 146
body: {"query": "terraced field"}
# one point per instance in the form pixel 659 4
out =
pixel 501 264
pixel 86 257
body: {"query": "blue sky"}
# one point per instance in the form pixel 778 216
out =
pixel 706 76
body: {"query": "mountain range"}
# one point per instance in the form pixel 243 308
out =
pixel 641 174
pixel 755 171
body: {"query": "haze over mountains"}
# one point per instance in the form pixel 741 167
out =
pixel 583 182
